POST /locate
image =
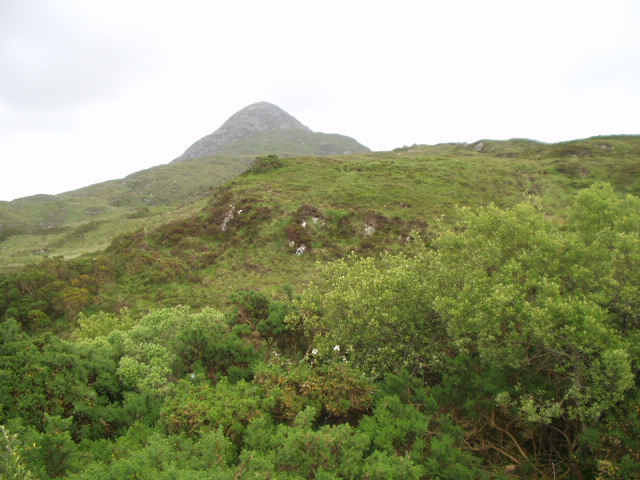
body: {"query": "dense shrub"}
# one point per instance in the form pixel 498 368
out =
pixel 267 163
pixel 527 331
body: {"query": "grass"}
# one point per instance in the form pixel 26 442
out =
pixel 397 192
pixel 416 188
pixel 55 224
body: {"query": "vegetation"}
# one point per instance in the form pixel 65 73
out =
pixel 266 163
pixel 522 330
pixel 419 183
pixel 409 339
pixel 86 220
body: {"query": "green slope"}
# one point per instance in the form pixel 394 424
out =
pixel 413 186
pixel 87 219
pixel 362 203
pixel 48 224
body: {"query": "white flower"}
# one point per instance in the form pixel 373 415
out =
pixel 314 351
pixel 336 348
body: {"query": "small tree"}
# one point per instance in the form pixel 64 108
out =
pixel 528 330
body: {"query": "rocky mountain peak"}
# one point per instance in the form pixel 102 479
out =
pixel 253 119
pixel 260 117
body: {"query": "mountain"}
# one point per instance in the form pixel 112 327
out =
pixel 66 223
pixel 264 128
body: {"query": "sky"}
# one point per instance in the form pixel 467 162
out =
pixel 93 91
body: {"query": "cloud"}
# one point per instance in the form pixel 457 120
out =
pixel 52 59
pixel 143 79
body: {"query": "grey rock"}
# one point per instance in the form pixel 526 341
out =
pixel 253 120
pixel 256 118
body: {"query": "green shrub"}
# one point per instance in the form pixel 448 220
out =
pixel 527 331
pixel 299 451
pixel 197 407
pixel 266 164
pixel 12 466
pixel 337 392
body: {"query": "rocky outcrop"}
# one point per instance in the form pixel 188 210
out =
pixel 260 119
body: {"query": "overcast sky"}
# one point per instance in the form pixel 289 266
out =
pixel 92 91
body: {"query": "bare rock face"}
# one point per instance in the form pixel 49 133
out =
pixel 259 118
pixel 256 118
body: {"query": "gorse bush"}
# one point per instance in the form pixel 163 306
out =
pixel 11 464
pixel 505 347
pixel 336 392
pixel 38 294
pixel 266 163
pixel 525 330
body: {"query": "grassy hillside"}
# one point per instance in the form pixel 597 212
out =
pixel 281 221
pixel 411 186
pixel 50 224
pixel 85 220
